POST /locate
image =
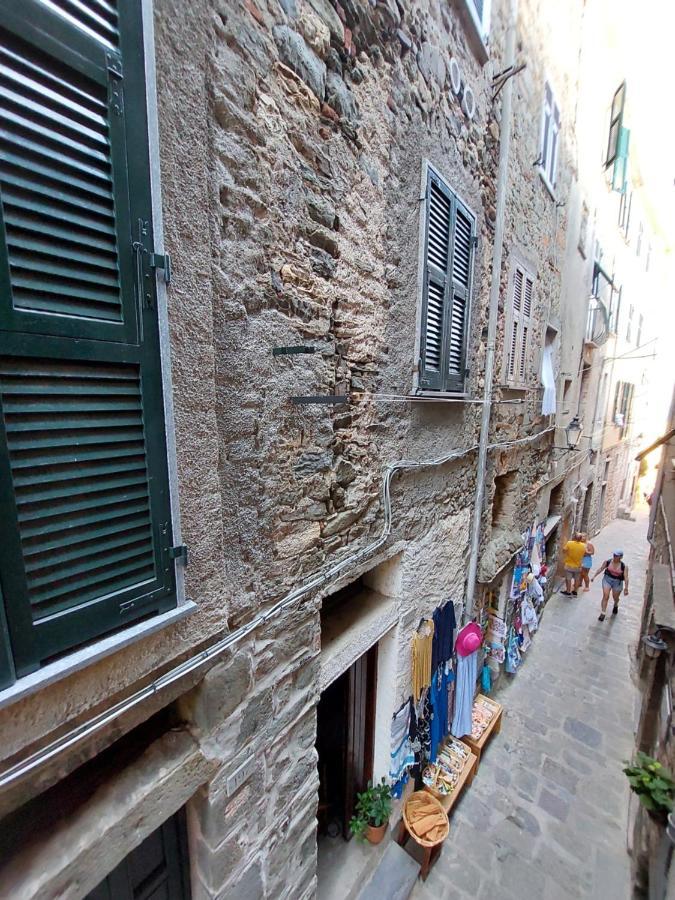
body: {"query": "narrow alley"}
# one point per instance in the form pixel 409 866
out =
pixel 546 814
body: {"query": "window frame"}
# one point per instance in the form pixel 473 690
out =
pixel 549 139
pixel 429 172
pixel 615 125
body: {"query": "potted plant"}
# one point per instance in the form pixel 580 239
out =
pixel 373 808
pixel 653 784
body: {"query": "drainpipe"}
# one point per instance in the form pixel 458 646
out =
pixel 497 248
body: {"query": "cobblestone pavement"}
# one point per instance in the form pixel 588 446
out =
pixel 546 815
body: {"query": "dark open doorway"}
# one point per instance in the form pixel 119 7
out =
pixel 344 742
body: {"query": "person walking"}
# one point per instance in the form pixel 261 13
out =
pixel 574 554
pixel 614 579
pixel 587 562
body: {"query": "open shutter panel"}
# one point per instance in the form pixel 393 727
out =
pixel 525 328
pixel 515 324
pixel 436 284
pixel 85 532
pixel 462 269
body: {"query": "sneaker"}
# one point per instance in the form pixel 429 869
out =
pixel 616 609
pixel 574 593
pixel 601 617
pixel 565 593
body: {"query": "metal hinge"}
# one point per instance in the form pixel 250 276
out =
pixel 474 240
pixel 180 552
pixel 162 261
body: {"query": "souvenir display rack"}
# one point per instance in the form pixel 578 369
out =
pixel 454 769
pixel 487 720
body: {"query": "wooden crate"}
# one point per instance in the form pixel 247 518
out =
pixel 447 801
pixel 494 727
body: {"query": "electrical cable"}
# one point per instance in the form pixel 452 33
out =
pixel 39 757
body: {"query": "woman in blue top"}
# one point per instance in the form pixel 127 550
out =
pixel 587 562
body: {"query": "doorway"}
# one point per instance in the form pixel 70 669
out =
pixel 345 742
pixel 586 511
pixel 157 868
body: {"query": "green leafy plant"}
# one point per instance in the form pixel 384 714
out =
pixel 373 807
pixel 652 783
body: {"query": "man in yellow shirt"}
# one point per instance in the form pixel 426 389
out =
pixel 574 553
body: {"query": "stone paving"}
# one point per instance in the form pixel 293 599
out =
pixel 546 815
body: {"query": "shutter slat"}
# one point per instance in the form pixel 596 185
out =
pixel 80 455
pixel 434 330
pixel 50 211
pixel 71 474
pixel 527 297
pixel 54 543
pixel 26 161
pixel 14 125
pixel 518 289
pixel 90 585
pixel 25 261
pixel 35 245
pixel 523 353
pixel 21 88
pixel 43 527
pixel 90 563
pixel 456 349
pixel 26 224
pixel 82 205
pixel 461 259
pixel 84 549
pixel 95 17
pixel 513 354
pixel 91 496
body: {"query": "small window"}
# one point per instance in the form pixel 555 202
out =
pixel 449 240
pixel 519 326
pixel 623 406
pixel 629 325
pixel 548 156
pixel 641 320
pixel 615 123
pixel 624 212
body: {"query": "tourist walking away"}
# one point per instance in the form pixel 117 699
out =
pixel 574 550
pixel 587 562
pixel 615 579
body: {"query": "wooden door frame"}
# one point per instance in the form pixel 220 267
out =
pixel 359 717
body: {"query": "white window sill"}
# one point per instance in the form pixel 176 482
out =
pixel 437 395
pixel 85 656
pixel 547 184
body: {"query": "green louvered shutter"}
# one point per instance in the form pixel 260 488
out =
pixel 85 531
pixel 448 271
pixel 437 254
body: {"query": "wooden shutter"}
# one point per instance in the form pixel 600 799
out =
pixel 462 270
pixel 616 119
pixel 85 533
pixel 519 327
pixel 448 270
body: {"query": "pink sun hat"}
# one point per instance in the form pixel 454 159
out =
pixel 469 639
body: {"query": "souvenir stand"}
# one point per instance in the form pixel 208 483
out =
pixel 486 719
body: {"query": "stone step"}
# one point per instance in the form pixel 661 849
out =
pixel 394 878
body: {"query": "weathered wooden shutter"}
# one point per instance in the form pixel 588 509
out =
pixel 462 271
pixel 448 270
pixel 520 325
pixel 616 120
pixel 85 532
pixel 437 254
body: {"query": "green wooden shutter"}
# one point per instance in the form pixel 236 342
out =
pixel 462 272
pixel 616 120
pixel 85 532
pixel 437 253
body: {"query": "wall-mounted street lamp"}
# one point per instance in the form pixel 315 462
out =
pixel 573 434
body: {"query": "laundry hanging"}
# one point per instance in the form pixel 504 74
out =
pixel 548 381
pixel 401 754
pixel 438 695
pixel 444 630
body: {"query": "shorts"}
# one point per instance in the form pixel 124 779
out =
pixel 614 584
pixel 571 572
pixel 587 562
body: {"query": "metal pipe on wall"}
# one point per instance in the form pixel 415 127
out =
pixel 497 250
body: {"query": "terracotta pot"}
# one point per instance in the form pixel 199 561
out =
pixel 375 833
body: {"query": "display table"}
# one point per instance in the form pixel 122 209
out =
pixel 466 775
pixel 476 744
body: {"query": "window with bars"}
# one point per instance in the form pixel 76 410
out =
pixel 550 134
pixel 448 253
pixel 85 531
pixel 518 326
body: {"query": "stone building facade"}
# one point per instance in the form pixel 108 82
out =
pixel 293 144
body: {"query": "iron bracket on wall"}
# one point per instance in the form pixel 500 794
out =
pixel 321 399
pixel 180 553
pixel 288 351
pixel 162 261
